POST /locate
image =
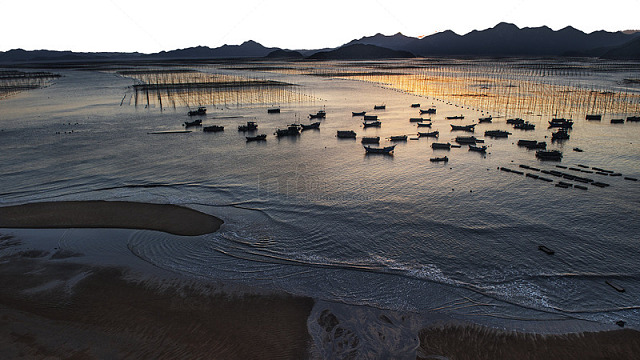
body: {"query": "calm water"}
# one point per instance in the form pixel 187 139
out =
pixel 313 215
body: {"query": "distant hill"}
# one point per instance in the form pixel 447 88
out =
pixel 359 52
pixel 394 42
pixel 246 49
pixel 628 51
pixel 284 54
pixel 20 55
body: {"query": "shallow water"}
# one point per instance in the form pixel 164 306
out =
pixel 314 215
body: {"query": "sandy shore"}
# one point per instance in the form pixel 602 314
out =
pixel 173 219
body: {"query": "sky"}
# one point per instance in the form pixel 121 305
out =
pixel 152 26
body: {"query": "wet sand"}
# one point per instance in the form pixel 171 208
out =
pixel 172 219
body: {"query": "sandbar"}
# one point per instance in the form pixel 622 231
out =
pixel 173 219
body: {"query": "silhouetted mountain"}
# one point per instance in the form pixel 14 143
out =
pixel 360 51
pixel 247 49
pixel 284 54
pixel 20 55
pixel 628 51
pixel 394 42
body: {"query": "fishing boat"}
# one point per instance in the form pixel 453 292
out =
pixel 292 129
pixel 576 149
pixel 466 140
pixel 593 117
pixel 213 128
pixel 439 159
pixel 515 121
pixel 529 144
pixel 446 146
pixel 193 123
pixel 617 121
pixel 384 150
pixel 200 111
pixel 525 126
pixel 469 128
pixel 428 111
pixel 361 113
pixel 546 250
pixel 379 107
pixel 633 118
pixel 549 155
pixel 372 124
pixel 455 117
pixel 417 119
pixel 346 134
pixel 260 137
pixel 315 125
pixel 371 140
pixel 481 149
pixel 561 123
pixel 429 134
pixel 250 126
pixel 319 115
pixel 487 119
pixel 497 133
pixel 424 124
pixel 370 117
pixel 561 134
pixel 398 138
pixel 273 111
pixel 415 105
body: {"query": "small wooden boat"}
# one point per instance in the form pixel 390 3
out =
pixel 200 111
pixel 525 126
pixel 497 133
pixel 361 113
pixel 455 117
pixel 417 119
pixel 515 121
pixel 615 286
pixel 398 138
pixel 463 127
pixel 439 159
pixel 633 118
pixel 346 134
pixel 370 117
pixel 193 123
pixel 577 149
pixel 250 126
pixel 429 134
pixel 487 119
pixel 424 124
pixel 371 140
pixel 379 107
pixel 213 128
pixel 415 105
pixel 291 130
pixel 561 123
pixel 260 137
pixel 561 134
pixel 445 146
pixel 593 117
pixel 546 250
pixel 315 125
pixel 273 111
pixel 384 150
pixel 476 148
pixel 372 124
pixel 617 121
pixel 319 115
pixel 466 140
pixel 428 111
pixel 549 155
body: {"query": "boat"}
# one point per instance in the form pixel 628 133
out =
pixel 561 134
pixel 485 119
pixel 384 150
pixel 250 126
pixel 415 105
pixel 481 149
pixel 315 125
pixel 193 123
pixel 463 127
pixel 417 119
pixel 260 137
pixel 615 286
pixel 429 134
pixel 455 117
pixel 379 107
pixel 398 138
pixel 319 115
pixel 497 133
pixel 549 155
pixel 346 134
pixel 593 117
pixel 213 128
pixel 428 111
pixel 424 124
pixel 371 140
pixel 200 111
pixel 466 140
pixel 439 159
pixel 292 129
pixel 561 123
pixel 446 146
pixel 525 126
pixel 617 121
pixel 370 117
pixel 546 250
pixel 372 124
pixel 576 149
pixel 532 144
pixel 515 121
pixel 633 118
pixel 361 113
pixel 273 111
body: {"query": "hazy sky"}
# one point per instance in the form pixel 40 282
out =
pixel 152 26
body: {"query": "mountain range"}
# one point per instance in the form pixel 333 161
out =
pixel 501 40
